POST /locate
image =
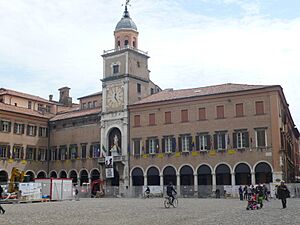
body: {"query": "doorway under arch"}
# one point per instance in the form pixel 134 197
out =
pixel 53 174
pixel 263 173
pixel 84 177
pixel 169 174
pixel 41 174
pixel 242 174
pixel 153 178
pixel 137 177
pixel 74 176
pixel 223 175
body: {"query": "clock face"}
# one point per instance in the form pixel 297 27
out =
pixel 114 96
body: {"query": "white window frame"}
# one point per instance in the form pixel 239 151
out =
pixel 72 151
pixel 185 143
pixel 30 130
pixel 5 126
pixel 42 153
pixel 19 128
pixel 219 141
pixel 203 142
pixel 241 139
pixel 133 147
pixel 18 155
pixel 96 151
pixel 4 151
pixel 256 138
pixel 168 144
pixel 152 149
pixel 43 131
pixel 29 152
pixel 53 154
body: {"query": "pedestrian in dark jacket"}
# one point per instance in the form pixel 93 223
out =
pixel 1 208
pixel 283 193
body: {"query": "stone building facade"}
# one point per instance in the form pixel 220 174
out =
pixel 228 134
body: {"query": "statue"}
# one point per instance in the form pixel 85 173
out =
pixel 115 148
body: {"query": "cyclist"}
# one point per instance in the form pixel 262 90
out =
pixel 147 192
pixel 170 190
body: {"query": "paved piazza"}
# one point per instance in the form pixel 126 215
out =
pixel 113 211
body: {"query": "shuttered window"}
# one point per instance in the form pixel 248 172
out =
pixel 137 121
pixel 184 115
pixel 220 112
pixel 202 114
pixel 152 119
pixel 259 107
pixel 168 117
pixel 239 110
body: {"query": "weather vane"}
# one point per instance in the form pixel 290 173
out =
pixel 127 3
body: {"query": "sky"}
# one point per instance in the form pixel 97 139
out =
pixel 45 45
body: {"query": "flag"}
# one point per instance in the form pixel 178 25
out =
pixel 103 152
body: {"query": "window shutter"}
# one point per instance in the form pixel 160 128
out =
pixel 157 145
pixel 8 151
pixel 59 154
pixel 179 144
pixel 40 131
pixel 91 151
pixel 9 127
pixel 22 153
pixel 23 128
pixel 1 125
pixel 208 142
pixel 234 137
pixel 147 146
pixel 163 145
pixel 247 139
pixel 173 144
pixel 191 143
pixel 27 130
pixel 15 128
pixel 223 141
pixel 70 149
pixel 34 131
pixel 39 154
pixel 215 141
pixel 197 143
pixel 34 153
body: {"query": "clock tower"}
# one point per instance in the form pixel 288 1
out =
pixel 125 81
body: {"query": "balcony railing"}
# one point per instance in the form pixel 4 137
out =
pixel 127 47
pixel 121 158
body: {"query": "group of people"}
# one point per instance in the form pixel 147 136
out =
pixel 260 193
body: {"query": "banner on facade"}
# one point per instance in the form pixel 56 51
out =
pixel 109 167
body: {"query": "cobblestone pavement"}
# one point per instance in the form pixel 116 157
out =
pixel 117 211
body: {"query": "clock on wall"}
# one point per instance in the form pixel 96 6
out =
pixel 115 96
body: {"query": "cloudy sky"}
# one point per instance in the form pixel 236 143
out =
pixel 45 45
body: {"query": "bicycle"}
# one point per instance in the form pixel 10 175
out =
pixel 149 195
pixel 168 202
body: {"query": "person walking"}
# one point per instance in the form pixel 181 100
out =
pixel 1 208
pixel 241 193
pixel 283 193
pixel 245 192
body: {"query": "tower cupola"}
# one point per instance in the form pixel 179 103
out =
pixel 126 34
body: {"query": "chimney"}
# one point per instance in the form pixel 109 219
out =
pixel 50 97
pixel 64 96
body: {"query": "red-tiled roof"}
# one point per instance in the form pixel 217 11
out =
pixel 21 110
pixel 75 113
pixel 170 94
pixel 4 91
pixel 91 95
